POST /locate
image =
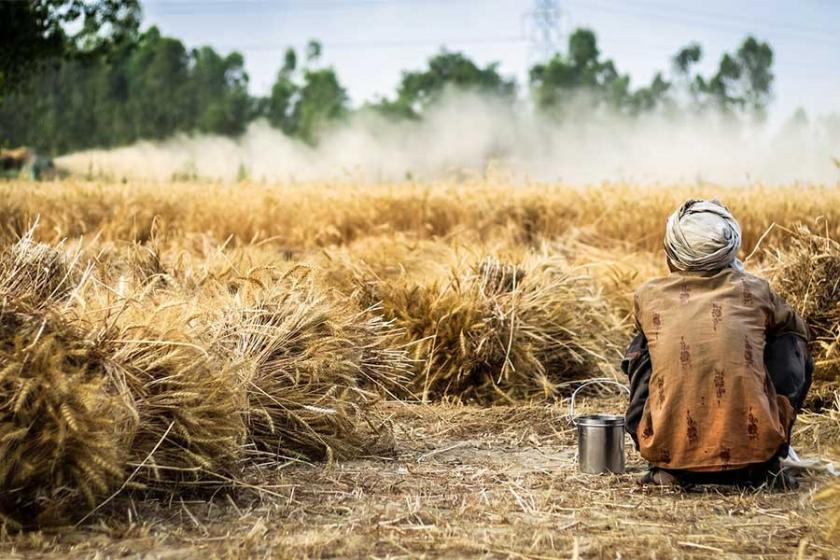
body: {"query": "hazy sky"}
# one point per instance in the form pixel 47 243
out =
pixel 370 41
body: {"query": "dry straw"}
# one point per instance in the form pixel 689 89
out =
pixel 184 359
pixel 188 403
pixel 102 390
pixel 493 330
pixel 62 423
pixel 62 417
pixel 829 437
pixel 42 271
pixel 311 368
pixel 806 272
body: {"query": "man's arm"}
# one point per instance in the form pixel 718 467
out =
pixel 636 365
pixel 789 366
pixel 786 355
pixel 783 319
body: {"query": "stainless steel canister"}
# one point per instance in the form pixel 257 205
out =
pixel 600 443
pixel 600 436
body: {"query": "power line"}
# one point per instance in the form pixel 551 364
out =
pixel 381 44
pixel 543 29
pixel 225 7
pixel 543 22
pixel 717 17
pixel 697 20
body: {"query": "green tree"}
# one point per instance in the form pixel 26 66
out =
pixel 743 81
pixel 220 92
pixel 418 90
pixel 322 99
pixel 34 31
pixel 755 81
pixel 582 78
pixel 149 88
pixel 279 106
pixel 648 98
pixel 304 100
pixel 159 75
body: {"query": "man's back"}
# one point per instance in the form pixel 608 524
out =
pixel 711 405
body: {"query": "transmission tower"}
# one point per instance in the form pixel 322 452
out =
pixel 544 23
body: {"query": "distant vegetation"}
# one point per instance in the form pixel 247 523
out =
pixel 111 84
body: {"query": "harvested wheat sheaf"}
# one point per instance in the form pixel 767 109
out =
pixel 829 496
pixel 42 271
pixel 492 330
pixel 311 368
pixel 63 422
pixel 63 416
pixel 147 389
pixel 806 272
pixel 188 403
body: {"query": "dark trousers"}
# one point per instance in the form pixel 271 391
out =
pixel 754 475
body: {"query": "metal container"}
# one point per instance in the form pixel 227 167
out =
pixel 600 443
pixel 600 436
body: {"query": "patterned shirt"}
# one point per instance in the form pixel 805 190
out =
pixel 712 405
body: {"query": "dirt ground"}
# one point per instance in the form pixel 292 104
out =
pixel 464 481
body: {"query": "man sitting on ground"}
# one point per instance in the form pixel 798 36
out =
pixel 704 406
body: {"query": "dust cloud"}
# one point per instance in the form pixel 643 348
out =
pixel 467 135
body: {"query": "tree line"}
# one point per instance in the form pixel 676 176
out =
pixel 111 83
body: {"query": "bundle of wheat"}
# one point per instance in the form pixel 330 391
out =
pixel 565 324
pixel 806 272
pixel 453 330
pixel 497 277
pixel 308 365
pixel 189 403
pixel 499 331
pixel 382 258
pixel 43 271
pixel 63 419
pixel 131 264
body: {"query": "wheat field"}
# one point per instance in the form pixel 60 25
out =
pixel 254 345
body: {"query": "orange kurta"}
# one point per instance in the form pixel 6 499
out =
pixel 712 405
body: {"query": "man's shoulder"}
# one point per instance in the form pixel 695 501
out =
pixel 654 285
pixel 751 280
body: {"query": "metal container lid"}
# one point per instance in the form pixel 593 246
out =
pixel 609 420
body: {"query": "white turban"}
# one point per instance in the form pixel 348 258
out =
pixel 703 236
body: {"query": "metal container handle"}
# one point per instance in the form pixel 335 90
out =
pixel 601 381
